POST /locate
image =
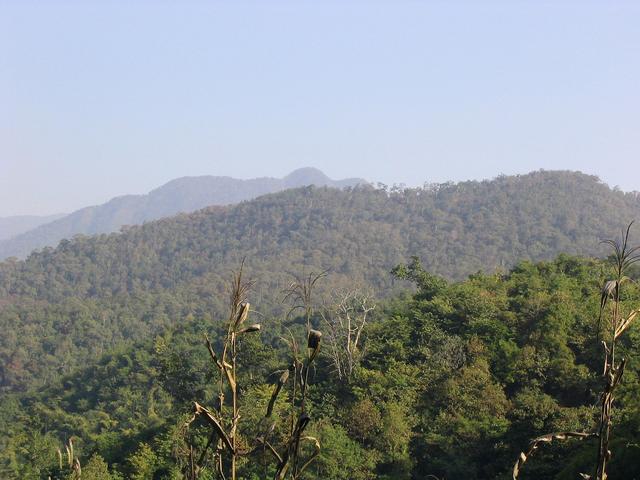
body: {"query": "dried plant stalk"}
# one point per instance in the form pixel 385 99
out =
pixel 224 422
pixel 610 309
pixel 224 419
pixel 542 440
pixel 624 257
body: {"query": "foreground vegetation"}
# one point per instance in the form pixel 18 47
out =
pixel 452 381
pixel 103 358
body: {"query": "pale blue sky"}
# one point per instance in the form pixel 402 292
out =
pixel 99 99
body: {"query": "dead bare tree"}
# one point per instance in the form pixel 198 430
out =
pixel 345 319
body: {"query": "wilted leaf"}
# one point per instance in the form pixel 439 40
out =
pixel 536 442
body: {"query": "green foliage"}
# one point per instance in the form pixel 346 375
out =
pixel 143 463
pixel 19 235
pixel 63 308
pixel 453 381
pixel 96 469
pixel 364 421
pixel 341 457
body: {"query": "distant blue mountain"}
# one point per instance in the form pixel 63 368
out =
pixel 182 195
pixel 15 225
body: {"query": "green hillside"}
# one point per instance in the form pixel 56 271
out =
pixel 64 306
pixel 181 195
pixel 453 381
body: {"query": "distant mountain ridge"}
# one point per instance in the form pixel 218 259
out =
pixel 17 224
pixel 92 293
pixel 182 195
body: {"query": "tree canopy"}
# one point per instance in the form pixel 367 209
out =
pixel 453 381
pixel 63 307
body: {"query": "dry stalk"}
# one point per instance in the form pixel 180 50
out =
pixel 546 439
pixel 610 306
pixel 624 256
pixel 68 462
pixel 290 461
pixel 224 419
pixel 299 294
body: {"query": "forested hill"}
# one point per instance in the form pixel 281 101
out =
pixel 453 382
pixel 456 229
pixel 62 305
pixel 182 195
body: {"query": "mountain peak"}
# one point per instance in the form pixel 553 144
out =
pixel 312 176
pixel 181 195
pixel 306 176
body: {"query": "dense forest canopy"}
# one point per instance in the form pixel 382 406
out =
pixel 62 307
pixel 451 381
pixel 181 195
pixel 498 340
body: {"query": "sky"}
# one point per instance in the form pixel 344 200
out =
pixel 99 99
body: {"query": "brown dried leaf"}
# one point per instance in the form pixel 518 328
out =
pixel 200 410
pixel 313 343
pixel 251 328
pixel 242 315
pixel 281 381
pixel 625 324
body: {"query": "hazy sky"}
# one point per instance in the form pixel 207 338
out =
pixel 99 99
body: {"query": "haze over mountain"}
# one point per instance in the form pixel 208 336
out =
pixel 15 225
pixel 92 293
pixel 181 195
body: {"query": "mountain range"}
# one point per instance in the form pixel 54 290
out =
pixel 64 306
pixel 20 235
pixel 15 225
